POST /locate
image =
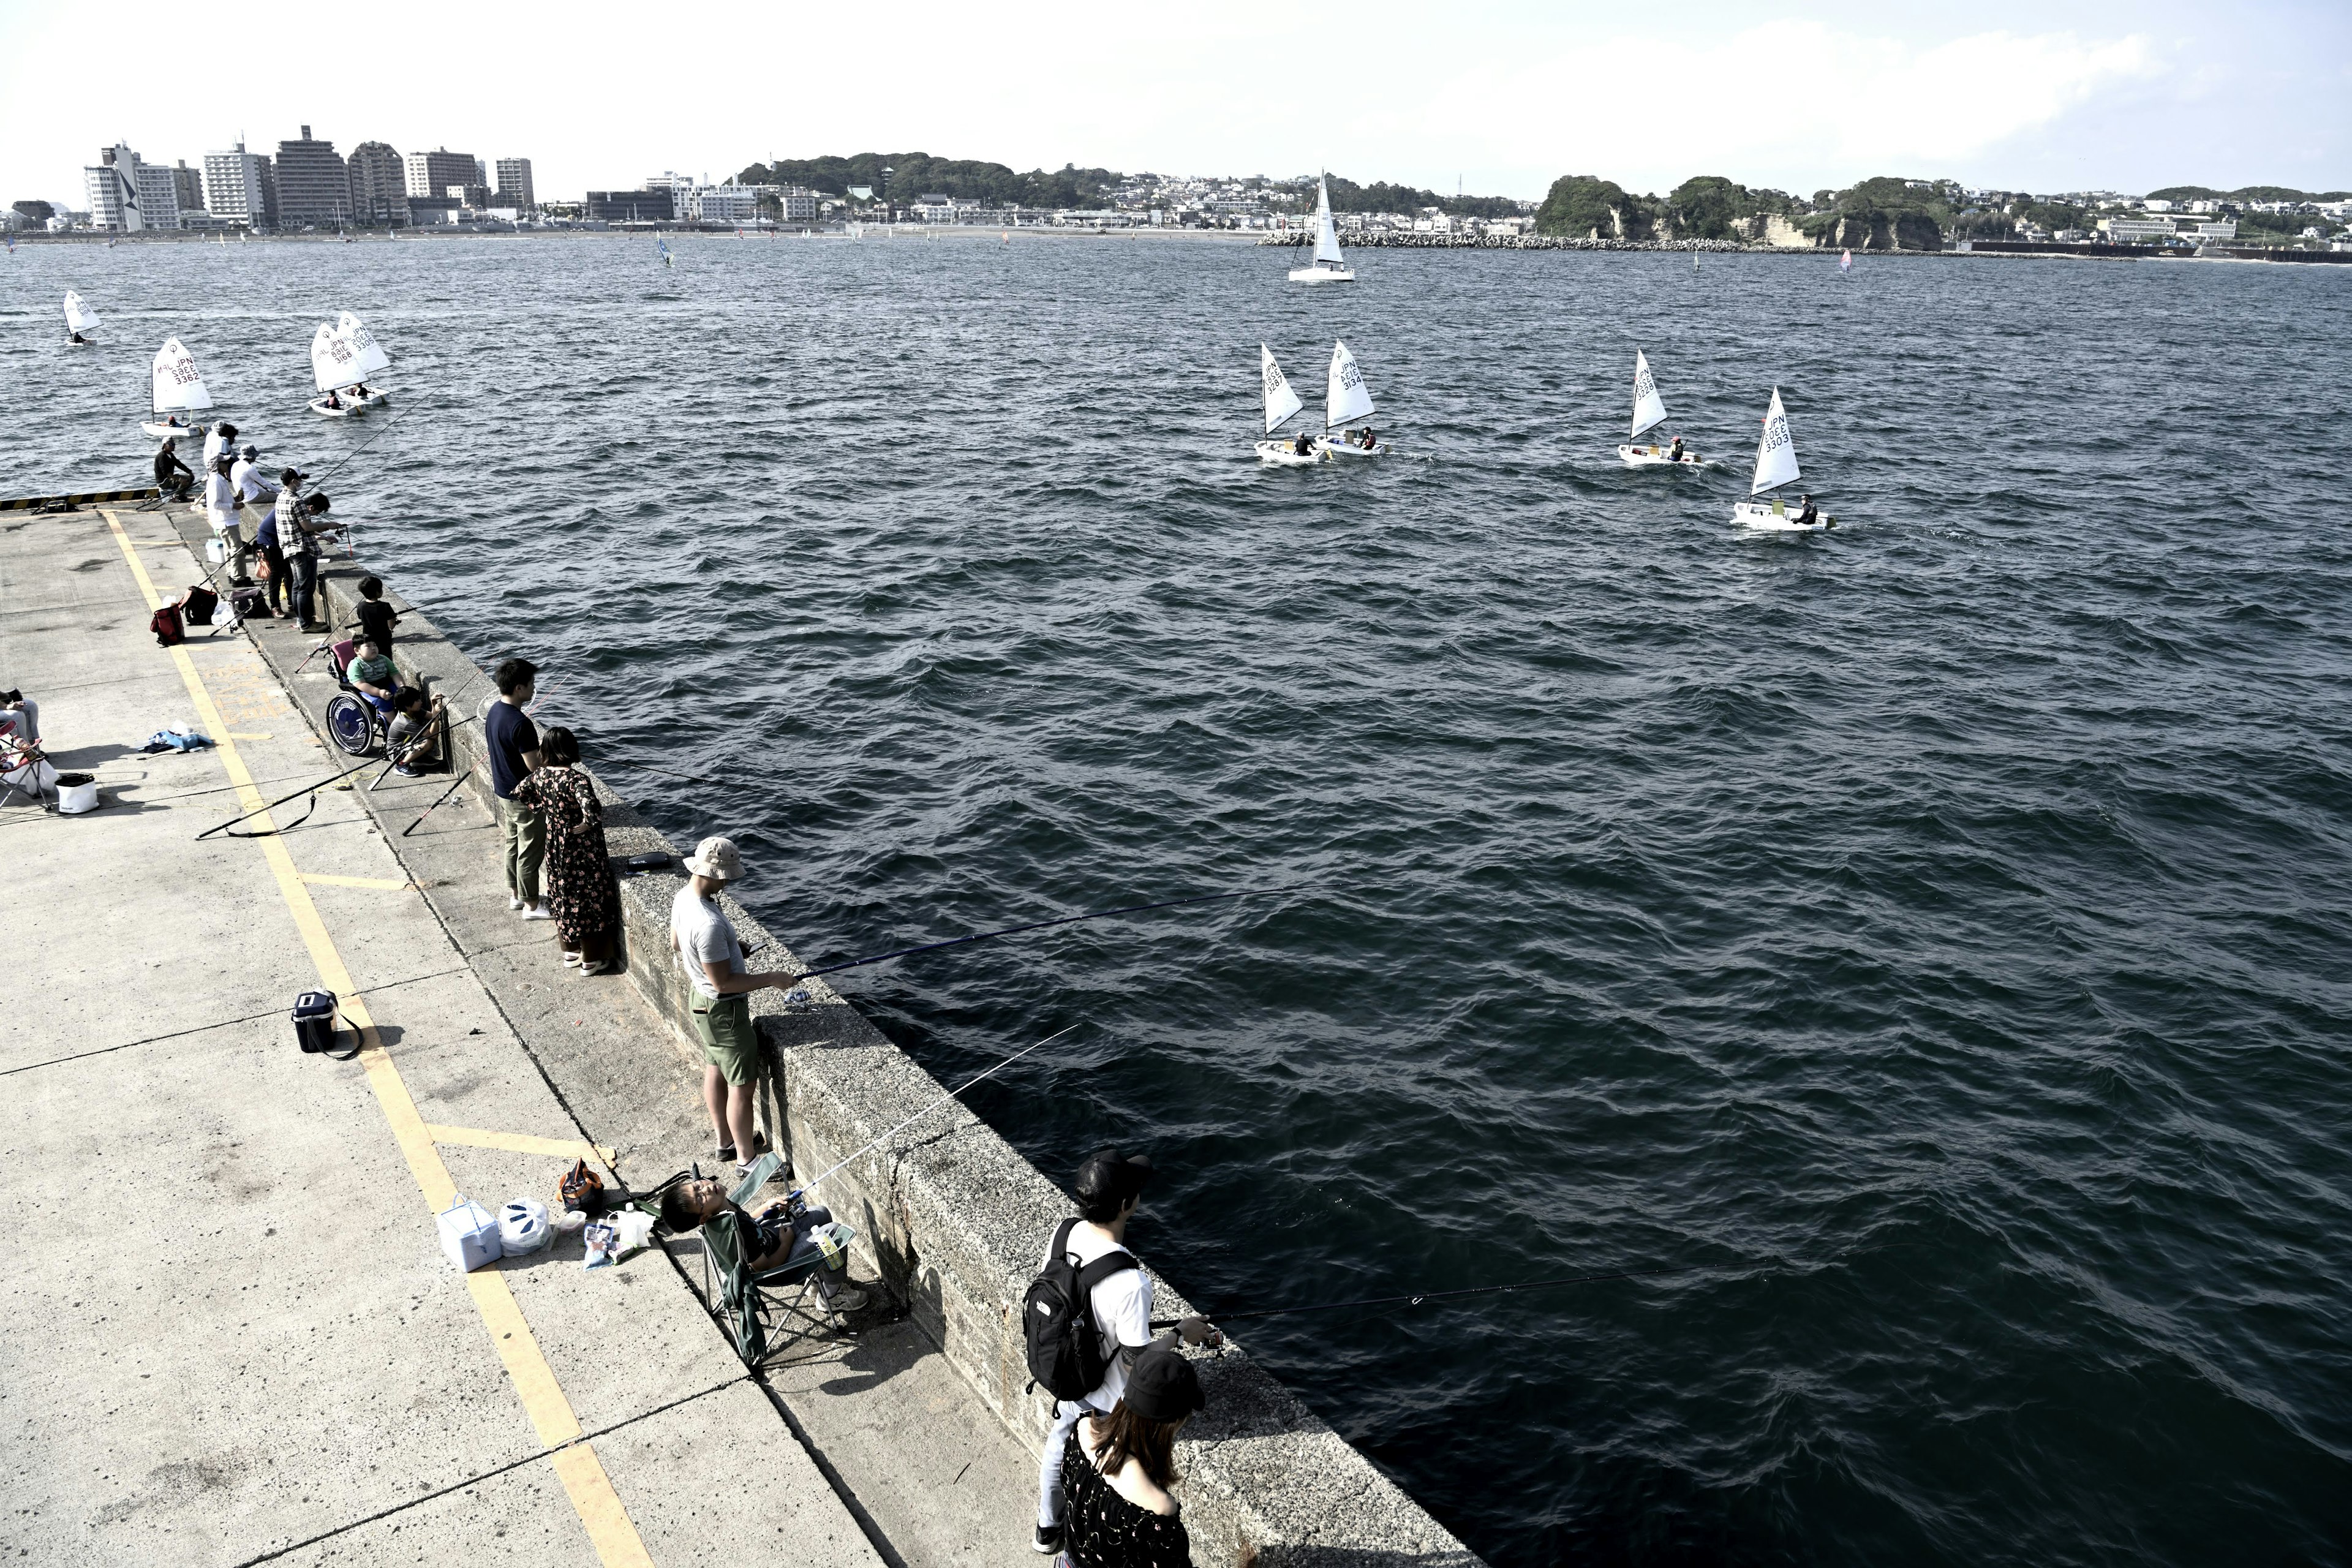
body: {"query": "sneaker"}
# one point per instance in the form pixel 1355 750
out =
pixel 538 912
pixel 513 903
pixel 1049 1540
pixel 571 960
pixel 850 1298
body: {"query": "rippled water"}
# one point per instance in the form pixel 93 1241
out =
pixel 1931 936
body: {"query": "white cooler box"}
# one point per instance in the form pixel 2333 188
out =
pixel 468 1233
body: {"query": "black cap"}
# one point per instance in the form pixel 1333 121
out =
pixel 1162 1386
pixel 1109 1174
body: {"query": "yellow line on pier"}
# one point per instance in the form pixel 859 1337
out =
pixel 518 1143
pixel 609 1527
pixel 381 884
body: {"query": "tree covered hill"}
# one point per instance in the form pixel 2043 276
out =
pixel 920 174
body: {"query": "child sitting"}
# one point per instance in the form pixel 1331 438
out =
pixel 371 673
pixel 414 741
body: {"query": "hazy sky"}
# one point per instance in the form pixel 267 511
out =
pixel 1503 97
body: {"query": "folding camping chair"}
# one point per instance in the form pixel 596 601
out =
pixel 740 1299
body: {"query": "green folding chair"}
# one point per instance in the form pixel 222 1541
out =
pixel 763 1324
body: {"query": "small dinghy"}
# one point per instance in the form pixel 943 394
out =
pixel 1282 404
pixel 1650 409
pixel 334 366
pixel 1328 267
pixel 1346 397
pixel 178 390
pixel 372 360
pixel 79 318
pixel 1776 464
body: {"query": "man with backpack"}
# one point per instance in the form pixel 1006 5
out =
pixel 1088 1316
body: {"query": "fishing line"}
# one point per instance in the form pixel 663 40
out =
pixel 390 419
pixel 1416 1299
pixel 811 1184
pixel 1041 925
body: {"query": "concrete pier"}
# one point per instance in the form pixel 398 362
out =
pixel 233 1336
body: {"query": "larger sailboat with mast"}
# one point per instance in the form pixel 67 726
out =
pixel 1329 265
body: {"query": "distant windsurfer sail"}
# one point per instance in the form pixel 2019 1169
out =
pixel 1845 261
pixel 663 246
pixel 79 318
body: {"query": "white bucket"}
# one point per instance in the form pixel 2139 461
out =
pixel 76 793
pixel 216 549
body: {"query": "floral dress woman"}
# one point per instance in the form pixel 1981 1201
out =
pixel 579 885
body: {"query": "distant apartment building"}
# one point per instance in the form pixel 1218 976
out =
pixel 313 185
pixel 722 204
pixel 797 205
pixel 240 188
pixel 430 175
pixel 476 197
pixel 188 188
pixel 378 185
pixel 2137 230
pixel 633 206
pixel 127 195
pixel 514 184
pixel 2227 228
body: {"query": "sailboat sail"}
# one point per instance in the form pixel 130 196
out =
pixel 1281 402
pixel 1346 397
pixel 1845 261
pixel 177 384
pixel 372 357
pixel 334 364
pixel 79 318
pixel 1648 407
pixel 1776 454
pixel 1327 234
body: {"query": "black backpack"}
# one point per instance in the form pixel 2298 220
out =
pixel 1057 1320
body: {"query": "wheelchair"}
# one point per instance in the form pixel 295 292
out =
pixel 360 724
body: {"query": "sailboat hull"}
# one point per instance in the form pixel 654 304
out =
pixel 161 431
pixel 1773 517
pixel 1343 450
pixel 1281 455
pixel 1658 456
pixel 1319 273
pixel 348 411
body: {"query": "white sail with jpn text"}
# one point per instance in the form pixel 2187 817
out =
pixel 177 384
pixel 1346 397
pixel 372 357
pixel 334 364
pixel 1327 234
pixel 1281 402
pixel 1648 407
pixel 1776 454
pixel 79 318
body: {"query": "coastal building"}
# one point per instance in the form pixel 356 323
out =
pixel 514 184
pixel 188 188
pixel 313 185
pixel 935 209
pixel 127 195
pixel 379 183
pixel 2137 230
pixel 631 206
pixel 797 204
pixel 430 175
pixel 722 204
pixel 2225 228
pixel 240 187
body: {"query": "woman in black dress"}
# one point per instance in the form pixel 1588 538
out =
pixel 1117 1470
pixel 581 891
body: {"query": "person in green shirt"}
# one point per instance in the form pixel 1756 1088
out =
pixel 371 672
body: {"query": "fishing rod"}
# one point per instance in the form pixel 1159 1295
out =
pixel 811 1184
pixel 1039 925
pixel 429 811
pixel 1431 1296
pixel 316 479
pixel 310 789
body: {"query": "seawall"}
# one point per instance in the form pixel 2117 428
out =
pixel 953 1219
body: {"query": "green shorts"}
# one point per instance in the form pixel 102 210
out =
pixel 727 1037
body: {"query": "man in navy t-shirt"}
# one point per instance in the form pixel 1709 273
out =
pixel 513 742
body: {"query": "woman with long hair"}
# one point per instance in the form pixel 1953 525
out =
pixel 1117 1470
pixel 581 891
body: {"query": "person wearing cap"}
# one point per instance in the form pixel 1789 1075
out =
pixel 1109 1188
pixel 216 440
pixel 298 542
pixel 173 478
pixel 220 510
pixel 708 950
pixel 1117 1470
pixel 255 496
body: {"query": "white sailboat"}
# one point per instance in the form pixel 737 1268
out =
pixel 178 390
pixel 1281 405
pixel 1650 409
pixel 1776 464
pixel 334 366
pixel 372 357
pixel 1329 267
pixel 79 318
pixel 1346 397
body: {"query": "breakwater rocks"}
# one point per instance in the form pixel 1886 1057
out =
pixel 1394 239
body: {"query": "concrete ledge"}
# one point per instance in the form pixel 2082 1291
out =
pixel 953 1219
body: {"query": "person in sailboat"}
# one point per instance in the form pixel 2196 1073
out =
pixel 74 337
pixel 1807 513
pixel 1676 456
pixel 1303 446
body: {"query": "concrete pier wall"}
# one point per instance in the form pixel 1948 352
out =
pixel 953 1220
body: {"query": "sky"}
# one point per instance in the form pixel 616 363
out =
pixel 1498 98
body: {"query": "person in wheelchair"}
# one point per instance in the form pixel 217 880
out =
pixel 372 675
pixel 777 1239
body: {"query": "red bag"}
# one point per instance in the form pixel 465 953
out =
pixel 165 624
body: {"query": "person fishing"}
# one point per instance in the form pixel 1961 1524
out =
pixel 778 1238
pixel 173 478
pixel 220 510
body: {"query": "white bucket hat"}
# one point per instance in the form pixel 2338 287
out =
pixel 717 858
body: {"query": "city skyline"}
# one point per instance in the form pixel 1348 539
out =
pixel 1502 99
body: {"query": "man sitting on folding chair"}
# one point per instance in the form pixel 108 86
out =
pixel 782 1247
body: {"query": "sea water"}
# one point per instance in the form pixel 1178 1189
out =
pixel 1928 939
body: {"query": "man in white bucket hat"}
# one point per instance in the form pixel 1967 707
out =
pixel 704 940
